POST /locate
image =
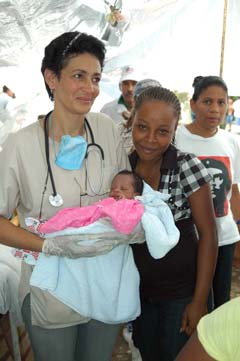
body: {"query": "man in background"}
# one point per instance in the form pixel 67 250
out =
pixel 236 108
pixel 119 109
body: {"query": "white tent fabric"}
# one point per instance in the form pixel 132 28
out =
pixel 170 40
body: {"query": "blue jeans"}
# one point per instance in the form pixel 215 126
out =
pixel 156 332
pixel 223 275
pixel 92 341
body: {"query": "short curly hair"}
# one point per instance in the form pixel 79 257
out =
pixel 66 46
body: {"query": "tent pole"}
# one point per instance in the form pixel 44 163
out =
pixel 223 36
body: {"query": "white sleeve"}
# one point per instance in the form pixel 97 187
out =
pixel 236 160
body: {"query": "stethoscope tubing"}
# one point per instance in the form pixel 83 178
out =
pixel 55 194
pixel 48 156
pixel 92 141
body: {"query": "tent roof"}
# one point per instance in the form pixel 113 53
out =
pixel 175 39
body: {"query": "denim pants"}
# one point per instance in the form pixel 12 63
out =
pixel 223 275
pixel 92 341
pixel 156 332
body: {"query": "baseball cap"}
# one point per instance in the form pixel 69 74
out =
pixel 129 73
pixel 144 84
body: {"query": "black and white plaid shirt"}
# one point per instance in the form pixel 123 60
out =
pixel 181 175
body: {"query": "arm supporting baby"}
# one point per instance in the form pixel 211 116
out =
pixel 18 237
pixel 70 245
pixel 155 226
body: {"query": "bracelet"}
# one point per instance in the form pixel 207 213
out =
pixel 238 222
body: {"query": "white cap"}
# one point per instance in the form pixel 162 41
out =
pixel 129 73
pixel 144 84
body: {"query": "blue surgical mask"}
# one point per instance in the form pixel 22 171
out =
pixel 72 151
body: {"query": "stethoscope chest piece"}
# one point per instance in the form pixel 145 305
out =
pixel 56 201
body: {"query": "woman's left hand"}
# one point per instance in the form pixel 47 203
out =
pixel 191 316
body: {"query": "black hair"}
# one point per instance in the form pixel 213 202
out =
pixel 5 89
pixel 161 94
pixel 137 181
pixel 66 46
pixel 200 83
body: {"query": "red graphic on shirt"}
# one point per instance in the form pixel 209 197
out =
pixel 221 183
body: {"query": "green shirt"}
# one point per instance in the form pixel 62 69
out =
pixel 219 332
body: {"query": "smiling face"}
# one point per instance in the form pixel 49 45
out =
pixel 210 107
pixel 78 85
pixel 154 127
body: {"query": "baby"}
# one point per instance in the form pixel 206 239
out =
pixel 127 185
pixel 121 204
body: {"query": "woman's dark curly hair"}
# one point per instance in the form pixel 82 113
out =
pixel 200 83
pixel 66 46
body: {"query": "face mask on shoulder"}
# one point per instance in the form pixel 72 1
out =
pixel 72 151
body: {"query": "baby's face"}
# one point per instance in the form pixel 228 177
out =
pixel 122 187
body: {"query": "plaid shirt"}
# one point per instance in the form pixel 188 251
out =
pixel 181 175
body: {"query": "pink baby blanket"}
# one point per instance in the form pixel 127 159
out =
pixel 124 214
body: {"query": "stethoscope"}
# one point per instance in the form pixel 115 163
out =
pixel 55 199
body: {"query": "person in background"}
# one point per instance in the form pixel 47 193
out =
pixel 119 109
pixel 229 115
pixel 219 151
pixel 175 289
pixel 5 97
pixel 217 336
pixel 236 108
pixel 66 158
pixel 125 127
